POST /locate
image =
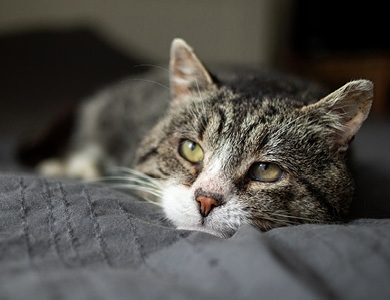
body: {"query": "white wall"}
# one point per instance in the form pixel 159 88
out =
pixel 232 31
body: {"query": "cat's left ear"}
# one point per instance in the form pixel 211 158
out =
pixel 187 73
pixel 344 111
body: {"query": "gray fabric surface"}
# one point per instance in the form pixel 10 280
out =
pixel 68 240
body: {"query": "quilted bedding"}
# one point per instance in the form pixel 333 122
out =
pixel 69 240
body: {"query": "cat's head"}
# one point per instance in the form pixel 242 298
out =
pixel 224 158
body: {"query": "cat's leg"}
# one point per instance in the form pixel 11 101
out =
pixel 84 163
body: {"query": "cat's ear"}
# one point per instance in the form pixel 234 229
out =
pixel 187 73
pixel 344 111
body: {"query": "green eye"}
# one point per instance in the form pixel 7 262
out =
pixel 191 151
pixel 265 172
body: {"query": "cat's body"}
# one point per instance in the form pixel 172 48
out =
pixel 250 147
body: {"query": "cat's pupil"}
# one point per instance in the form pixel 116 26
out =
pixel 191 145
pixel 263 166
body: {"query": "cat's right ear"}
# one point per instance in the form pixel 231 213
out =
pixel 188 76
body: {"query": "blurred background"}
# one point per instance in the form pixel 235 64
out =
pixel 55 52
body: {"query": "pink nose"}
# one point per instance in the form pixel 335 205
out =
pixel 206 205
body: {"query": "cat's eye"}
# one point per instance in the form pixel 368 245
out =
pixel 191 151
pixel 265 172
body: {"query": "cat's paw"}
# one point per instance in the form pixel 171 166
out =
pixel 80 166
pixel 52 168
pixel 74 167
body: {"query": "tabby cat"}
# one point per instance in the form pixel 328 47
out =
pixel 243 147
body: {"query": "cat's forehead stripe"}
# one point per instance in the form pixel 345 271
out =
pixel 221 122
pixel 228 127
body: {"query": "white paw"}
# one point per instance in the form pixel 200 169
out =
pixel 76 166
pixel 80 166
pixel 52 168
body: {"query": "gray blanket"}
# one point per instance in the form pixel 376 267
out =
pixel 68 240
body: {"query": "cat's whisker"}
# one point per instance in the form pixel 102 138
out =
pixel 150 81
pixel 141 189
pixel 131 176
pixel 281 130
pixel 134 172
pixel 152 66
pixel 129 186
pixel 130 180
pixel 199 92
pixel 138 186
pixel 141 184
pixel 279 221
pixel 292 217
pixel 137 174
pixel 144 182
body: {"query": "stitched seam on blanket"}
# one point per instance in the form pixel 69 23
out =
pixel 25 225
pixel 133 230
pixel 51 220
pixel 73 239
pixel 143 254
pixel 96 227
